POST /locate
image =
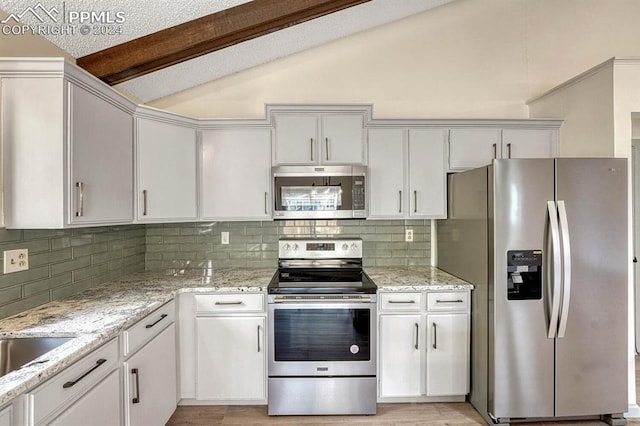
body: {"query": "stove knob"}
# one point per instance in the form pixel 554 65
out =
pixel 295 247
pixel 287 247
pixel 354 246
pixel 345 247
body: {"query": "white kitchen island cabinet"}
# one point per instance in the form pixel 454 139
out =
pixel 150 369
pixel 235 182
pixel 68 147
pixel 407 176
pixel 423 346
pixel 309 135
pixel 166 158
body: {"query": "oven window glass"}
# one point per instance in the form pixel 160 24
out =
pixel 322 334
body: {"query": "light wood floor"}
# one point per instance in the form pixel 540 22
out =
pixel 460 413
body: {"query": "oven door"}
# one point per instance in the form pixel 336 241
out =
pixel 322 338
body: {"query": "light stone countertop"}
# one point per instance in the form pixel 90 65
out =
pixel 98 315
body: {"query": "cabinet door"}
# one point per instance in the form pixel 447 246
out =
pixel 386 173
pixel 401 345
pixel 235 174
pixel 101 136
pixel 230 358
pixel 101 404
pixel 166 160
pixel 150 381
pixel 470 148
pixel 427 175
pixel 342 139
pixel 528 143
pixel 447 354
pixel 296 139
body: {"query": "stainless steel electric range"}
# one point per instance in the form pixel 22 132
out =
pixel 322 330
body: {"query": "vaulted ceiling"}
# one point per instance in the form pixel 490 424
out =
pixel 154 48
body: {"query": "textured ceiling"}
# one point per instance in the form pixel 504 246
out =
pixel 143 17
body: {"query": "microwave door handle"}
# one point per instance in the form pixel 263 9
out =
pixel 553 279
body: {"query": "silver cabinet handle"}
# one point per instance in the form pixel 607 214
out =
pixel 449 301
pixel 266 202
pixel 80 211
pixel 144 202
pixel 229 303
pixel 326 146
pixel 415 201
pixel 495 150
pixel 566 268
pixel 163 316
pixel 508 150
pixel 311 143
pixel 402 301
pixel 259 350
pixel 554 280
pixel 399 201
pixel 435 336
pixel 73 382
pixel 416 336
pixel 136 399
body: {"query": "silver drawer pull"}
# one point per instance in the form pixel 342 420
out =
pixel 144 202
pixel 450 301
pixel 80 211
pixel 229 303
pixel 402 301
pixel 136 399
pixel 417 334
pixel 163 316
pixel 435 336
pixel 73 382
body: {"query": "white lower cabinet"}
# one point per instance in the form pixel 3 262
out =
pixel 229 346
pixel 423 346
pixel 150 383
pixel 90 385
pixel 231 358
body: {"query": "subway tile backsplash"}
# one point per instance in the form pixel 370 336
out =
pixel 63 262
pixel 254 244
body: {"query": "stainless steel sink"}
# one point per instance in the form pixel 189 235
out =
pixel 15 353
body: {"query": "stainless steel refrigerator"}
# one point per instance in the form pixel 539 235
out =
pixel 545 243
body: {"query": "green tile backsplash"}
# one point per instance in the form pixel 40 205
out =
pixel 254 244
pixel 63 262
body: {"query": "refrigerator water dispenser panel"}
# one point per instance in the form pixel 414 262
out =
pixel 524 274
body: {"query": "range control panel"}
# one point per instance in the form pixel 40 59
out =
pixel 320 249
pixel 524 274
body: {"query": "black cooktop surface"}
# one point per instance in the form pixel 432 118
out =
pixel 321 281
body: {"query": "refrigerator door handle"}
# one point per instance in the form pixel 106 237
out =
pixel 553 281
pixel 566 268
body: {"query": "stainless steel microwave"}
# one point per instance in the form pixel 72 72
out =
pixel 319 192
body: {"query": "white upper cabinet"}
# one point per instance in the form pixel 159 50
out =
pixel 477 146
pixel 166 160
pixel 68 147
pixel 306 136
pixel 235 174
pixel 407 177
pixel 101 160
pixel 471 148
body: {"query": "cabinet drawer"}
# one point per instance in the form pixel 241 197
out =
pixel 233 302
pixel 401 301
pixel 73 382
pixel 449 301
pixel 140 333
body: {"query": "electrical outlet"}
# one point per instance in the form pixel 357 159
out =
pixel 224 238
pixel 408 235
pixel 16 260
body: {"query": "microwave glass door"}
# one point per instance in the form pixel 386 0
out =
pixel 330 193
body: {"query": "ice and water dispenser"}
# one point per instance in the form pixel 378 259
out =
pixel 524 274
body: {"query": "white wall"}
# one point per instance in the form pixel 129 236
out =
pixel 466 59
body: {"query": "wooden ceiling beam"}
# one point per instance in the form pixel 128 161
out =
pixel 204 35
